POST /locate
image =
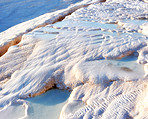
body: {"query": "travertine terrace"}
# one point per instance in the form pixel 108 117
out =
pixel 98 52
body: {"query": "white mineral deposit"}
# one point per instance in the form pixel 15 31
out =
pixel 96 50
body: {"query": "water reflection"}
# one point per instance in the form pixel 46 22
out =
pixel 13 12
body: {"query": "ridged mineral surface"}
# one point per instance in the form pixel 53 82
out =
pixel 92 53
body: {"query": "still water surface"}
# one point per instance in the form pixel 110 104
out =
pixel 13 12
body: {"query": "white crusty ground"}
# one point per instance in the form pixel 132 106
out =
pixel 48 18
pixel 144 28
pixel 75 54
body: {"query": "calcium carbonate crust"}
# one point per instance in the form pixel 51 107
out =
pixel 81 54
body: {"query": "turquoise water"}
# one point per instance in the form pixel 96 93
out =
pixel 130 63
pixel 45 106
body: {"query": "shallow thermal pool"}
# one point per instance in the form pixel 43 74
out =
pixel 129 62
pixel 45 106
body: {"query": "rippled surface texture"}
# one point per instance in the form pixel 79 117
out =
pixel 98 52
